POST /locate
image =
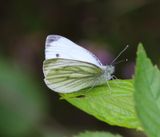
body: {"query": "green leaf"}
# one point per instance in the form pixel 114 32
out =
pixel 147 93
pixel 112 104
pixel 96 134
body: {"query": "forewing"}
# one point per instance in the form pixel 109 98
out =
pixel 60 47
pixel 65 75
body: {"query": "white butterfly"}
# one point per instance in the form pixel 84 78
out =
pixel 69 67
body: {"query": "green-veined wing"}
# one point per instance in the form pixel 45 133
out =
pixel 66 75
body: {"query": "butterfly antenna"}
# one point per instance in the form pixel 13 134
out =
pixel 124 60
pixel 119 54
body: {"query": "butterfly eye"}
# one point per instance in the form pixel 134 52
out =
pixel 57 55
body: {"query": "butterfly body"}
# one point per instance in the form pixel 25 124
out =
pixel 69 67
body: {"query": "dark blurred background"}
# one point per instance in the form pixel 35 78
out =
pixel 27 107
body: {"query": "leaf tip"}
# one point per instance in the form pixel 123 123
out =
pixel 140 47
pixel 141 50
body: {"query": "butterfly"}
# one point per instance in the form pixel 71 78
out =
pixel 69 68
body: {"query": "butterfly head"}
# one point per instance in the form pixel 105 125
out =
pixel 109 70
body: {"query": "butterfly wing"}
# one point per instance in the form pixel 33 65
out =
pixel 65 75
pixel 60 47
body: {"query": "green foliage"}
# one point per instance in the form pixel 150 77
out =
pixel 22 105
pixel 112 104
pixel 96 134
pixel 147 93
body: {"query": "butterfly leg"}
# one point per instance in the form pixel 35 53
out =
pixel 110 90
pixel 115 80
pixel 95 83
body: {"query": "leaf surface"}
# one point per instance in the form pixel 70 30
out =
pixel 96 134
pixel 112 104
pixel 147 93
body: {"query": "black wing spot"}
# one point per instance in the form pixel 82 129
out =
pixel 57 55
pixel 52 38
